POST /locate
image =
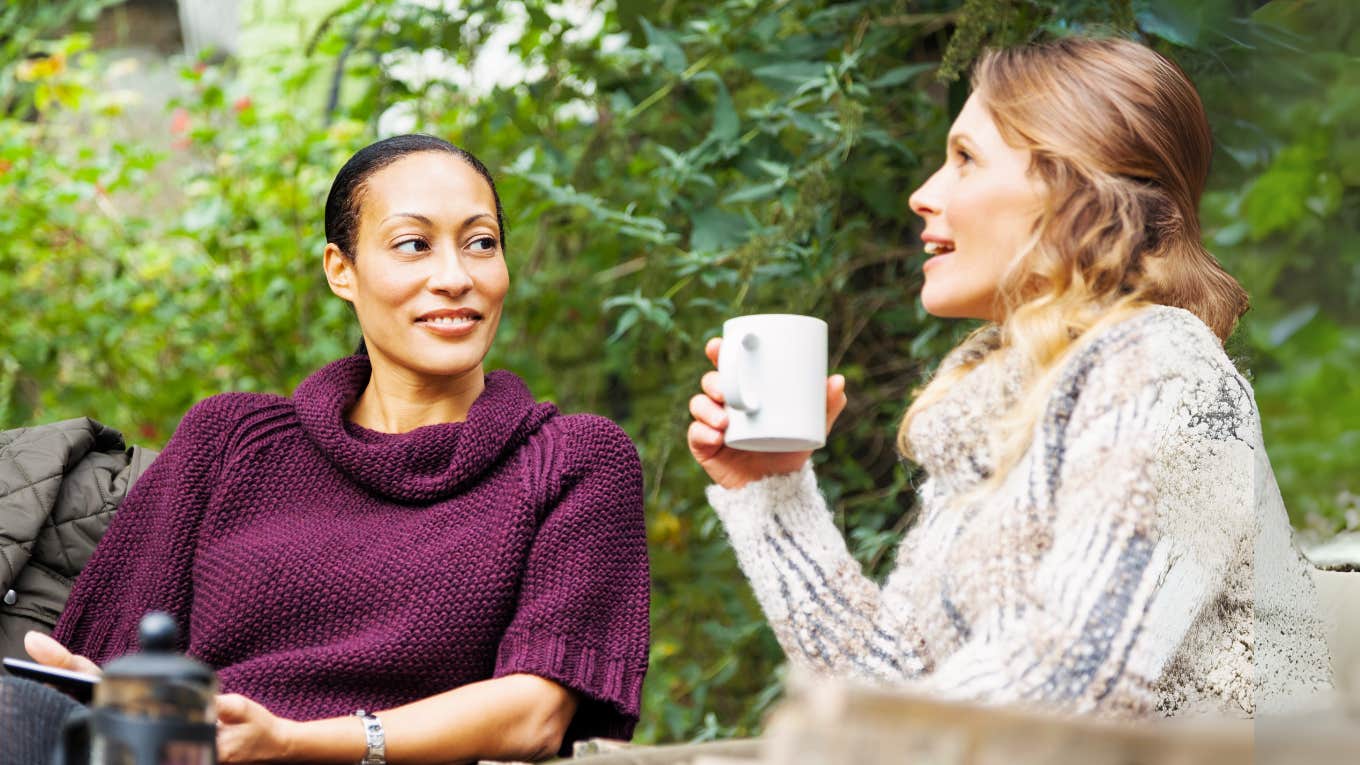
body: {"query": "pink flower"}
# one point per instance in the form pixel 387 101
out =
pixel 179 128
pixel 179 121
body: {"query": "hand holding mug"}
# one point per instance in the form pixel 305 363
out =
pixel 733 468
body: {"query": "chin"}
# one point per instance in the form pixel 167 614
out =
pixel 951 306
pixel 436 362
pixel 938 306
pixel 449 367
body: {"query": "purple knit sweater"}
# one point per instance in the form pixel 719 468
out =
pixel 321 567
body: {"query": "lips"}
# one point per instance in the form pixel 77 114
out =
pixel 449 316
pixel 450 322
pixel 937 247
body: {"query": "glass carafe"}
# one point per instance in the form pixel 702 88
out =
pixel 155 707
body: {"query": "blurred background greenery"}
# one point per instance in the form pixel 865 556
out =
pixel 664 164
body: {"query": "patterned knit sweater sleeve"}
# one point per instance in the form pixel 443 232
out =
pixel 582 614
pixel 144 560
pixel 1116 530
pixel 826 614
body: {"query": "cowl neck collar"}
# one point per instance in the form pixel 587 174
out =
pixel 952 438
pixel 424 464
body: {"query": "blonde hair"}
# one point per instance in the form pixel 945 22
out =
pixel 1118 137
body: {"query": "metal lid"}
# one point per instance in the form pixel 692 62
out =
pixel 158 661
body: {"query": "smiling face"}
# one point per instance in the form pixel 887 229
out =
pixel 979 209
pixel 428 275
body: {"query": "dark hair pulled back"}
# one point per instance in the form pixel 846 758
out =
pixel 346 196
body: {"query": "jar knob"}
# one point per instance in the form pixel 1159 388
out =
pixel 157 633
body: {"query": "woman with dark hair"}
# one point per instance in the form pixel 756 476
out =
pixel 407 534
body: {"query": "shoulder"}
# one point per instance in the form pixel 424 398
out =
pixel 591 441
pixel 228 408
pixel 1161 363
pixel 582 456
pixel 591 458
pixel 1157 345
pixel 215 418
pixel 1161 337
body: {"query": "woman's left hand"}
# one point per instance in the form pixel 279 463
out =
pixel 247 732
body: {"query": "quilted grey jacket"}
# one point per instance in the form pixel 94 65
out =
pixel 59 486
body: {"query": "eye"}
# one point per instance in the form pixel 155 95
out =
pixel 483 244
pixel 412 246
pixel 963 156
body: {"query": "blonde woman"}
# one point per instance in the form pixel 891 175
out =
pixel 1100 530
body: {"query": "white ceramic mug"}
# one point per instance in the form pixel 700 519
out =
pixel 772 370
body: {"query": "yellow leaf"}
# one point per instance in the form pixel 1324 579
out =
pixel 32 276
pixel 666 528
pixel 143 303
pixel 43 68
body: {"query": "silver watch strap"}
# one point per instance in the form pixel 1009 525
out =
pixel 373 736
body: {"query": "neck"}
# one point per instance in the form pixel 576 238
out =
pixel 398 399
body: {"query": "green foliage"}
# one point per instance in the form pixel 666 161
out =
pixel 1283 212
pixel 669 167
pixel 25 23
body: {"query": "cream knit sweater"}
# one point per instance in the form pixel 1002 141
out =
pixel 1136 562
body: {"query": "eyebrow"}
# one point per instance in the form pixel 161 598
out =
pixel 423 219
pixel 414 216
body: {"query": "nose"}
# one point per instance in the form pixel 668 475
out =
pixel 450 275
pixel 927 200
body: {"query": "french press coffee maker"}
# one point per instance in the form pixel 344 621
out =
pixel 150 708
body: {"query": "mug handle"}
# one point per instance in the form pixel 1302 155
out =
pixel 732 373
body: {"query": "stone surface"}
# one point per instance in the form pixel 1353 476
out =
pixel 829 723
pixel 1341 552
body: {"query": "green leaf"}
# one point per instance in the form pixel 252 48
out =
pixel 662 45
pixel 774 169
pixel 754 193
pixel 1170 23
pixel 726 125
pixel 1278 199
pixel 715 229
pixel 900 75
pixel 1285 328
pixel 1184 24
pixel 817 128
pixel 626 322
pixel 795 74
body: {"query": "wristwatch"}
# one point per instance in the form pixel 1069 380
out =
pixel 373 735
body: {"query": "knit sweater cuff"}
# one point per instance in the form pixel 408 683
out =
pixel 791 500
pixel 610 686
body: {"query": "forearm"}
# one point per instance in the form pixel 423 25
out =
pixel 517 717
pixel 775 525
pixel 826 614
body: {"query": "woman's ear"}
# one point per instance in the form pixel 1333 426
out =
pixel 339 272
